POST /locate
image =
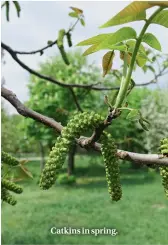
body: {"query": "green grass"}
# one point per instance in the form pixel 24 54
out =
pixel 141 217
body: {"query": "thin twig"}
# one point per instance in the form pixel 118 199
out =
pixel 154 80
pixel 47 46
pixel 52 80
pixel 76 100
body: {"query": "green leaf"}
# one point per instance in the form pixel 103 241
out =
pixel 122 34
pixel 7 171
pixel 131 45
pixel 95 40
pixel 144 68
pixel 73 14
pixel 107 62
pixel 161 18
pixel 7 10
pixel 140 61
pixel 133 12
pixel 21 172
pixel 143 125
pixel 3 4
pixel 97 47
pixel 17 6
pixel 78 11
pixel 82 22
pixel 150 68
pixel 159 3
pixel 133 115
pixel 141 57
pixel 152 41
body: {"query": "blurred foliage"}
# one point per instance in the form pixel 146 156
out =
pixel 155 109
pixel 13 138
pixel 65 179
pixel 127 132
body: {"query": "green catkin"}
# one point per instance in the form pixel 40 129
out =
pixel 7 185
pixel 109 151
pixel 11 186
pixel 69 40
pixel 7 197
pixel 60 45
pixel 8 159
pixel 164 170
pixel 75 127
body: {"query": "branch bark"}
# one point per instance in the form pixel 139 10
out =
pixel 144 159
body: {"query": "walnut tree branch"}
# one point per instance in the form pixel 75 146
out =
pixel 144 159
pixel 50 79
pixel 47 46
pixel 162 72
pixel 26 112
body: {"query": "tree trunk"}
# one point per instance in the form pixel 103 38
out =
pixel 71 160
pixel 42 155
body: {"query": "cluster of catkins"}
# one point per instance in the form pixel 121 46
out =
pixel 60 44
pixel 7 185
pixel 109 152
pixel 76 126
pixel 164 170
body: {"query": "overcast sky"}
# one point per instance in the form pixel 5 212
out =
pixel 40 21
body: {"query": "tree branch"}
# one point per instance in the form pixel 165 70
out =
pixel 52 80
pixel 143 159
pixel 75 100
pixel 26 112
pixel 36 51
pixel 65 85
pixel 154 80
pixel 47 46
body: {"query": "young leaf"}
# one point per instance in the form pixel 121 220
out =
pixel 7 9
pixel 101 46
pixel 152 41
pixel 95 40
pixel 140 61
pixel 82 22
pixel 133 115
pixel 161 18
pixel 141 56
pixel 94 48
pixel 143 125
pixel 122 34
pixel 3 4
pixel 73 14
pixel 107 62
pixel 133 12
pixel 22 172
pixel 17 6
pixel 159 3
pixel 78 11
pixel 151 68
pixel 128 57
pixel 144 68
pixel 131 45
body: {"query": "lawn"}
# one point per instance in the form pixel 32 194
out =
pixel 141 217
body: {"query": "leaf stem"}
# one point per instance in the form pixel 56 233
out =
pixel 124 87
